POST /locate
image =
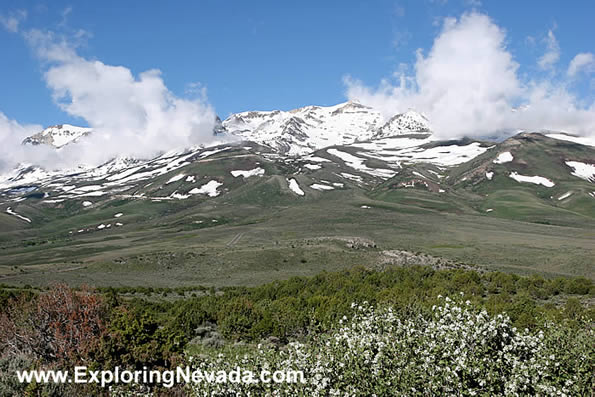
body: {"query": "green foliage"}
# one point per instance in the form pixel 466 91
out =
pixel 135 339
pixel 144 328
pixel 291 308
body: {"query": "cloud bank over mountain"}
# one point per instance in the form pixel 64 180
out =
pixel 468 84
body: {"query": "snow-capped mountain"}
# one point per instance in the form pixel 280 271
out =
pixel 292 133
pixel 348 143
pixel 284 135
pixel 304 130
pixel 57 135
pixel 404 123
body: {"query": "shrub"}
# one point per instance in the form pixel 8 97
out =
pixel 61 325
pixel 459 350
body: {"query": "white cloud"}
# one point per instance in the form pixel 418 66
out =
pixel 585 61
pixel 468 85
pixel 12 21
pixel 11 135
pixel 130 115
pixel 552 55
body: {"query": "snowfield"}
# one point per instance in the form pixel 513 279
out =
pixel 312 166
pixel 352 177
pixel 582 170
pixel 357 163
pixel 538 180
pixel 565 195
pixel 589 141
pixel 247 174
pixel 175 178
pixel 318 186
pixel 293 185
pixel 505 157
pixel 209 188
pixel 439 155
pixel 179 196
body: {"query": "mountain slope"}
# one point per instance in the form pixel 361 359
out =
pixel 531 177
pixel 314 150
pixel 241 212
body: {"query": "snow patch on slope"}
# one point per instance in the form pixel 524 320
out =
pixel 439 155
pixel 175 178
pixel 248 173
pixel 357 163
pixel 565 195
pixel 504 157
pixel 11 212
pixel 321 187
pixel 293 185
pixel 582 170
pixel 209 188
pixel 312 166
pixel 583 140
pixel 538 180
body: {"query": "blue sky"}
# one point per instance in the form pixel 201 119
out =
pixel 260 55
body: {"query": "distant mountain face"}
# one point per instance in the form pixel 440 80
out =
pixel 57 135
pixel 304 130
pixel 309 152
pixel 293 133
pixel 300 131
pixel 530 177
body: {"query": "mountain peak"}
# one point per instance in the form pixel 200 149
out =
pixel 306 129
pixel 409 122
pixel 58 135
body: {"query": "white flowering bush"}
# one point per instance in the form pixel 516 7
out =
pixel 457 351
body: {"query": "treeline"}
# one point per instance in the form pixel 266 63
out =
pixel 123 326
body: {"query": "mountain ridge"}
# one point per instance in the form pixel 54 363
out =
pixel 294 132
pixel 306 129
pixel 320 151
